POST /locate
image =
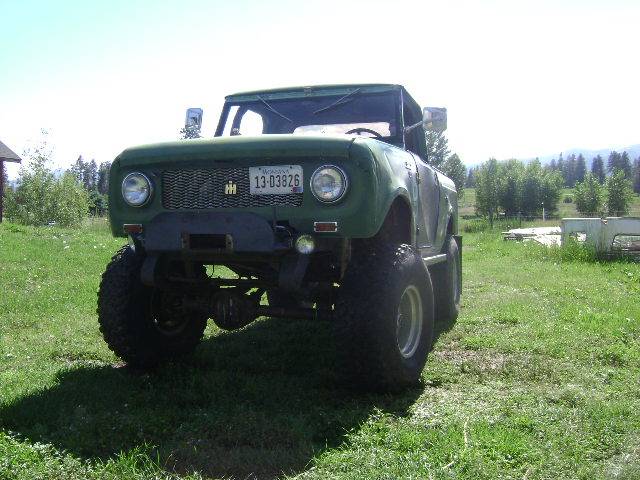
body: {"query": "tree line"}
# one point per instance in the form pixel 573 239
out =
pixel 574 169
pixel 514 187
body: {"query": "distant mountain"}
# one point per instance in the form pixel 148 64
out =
pixel 632 150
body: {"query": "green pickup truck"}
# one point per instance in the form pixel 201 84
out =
pixel 319 200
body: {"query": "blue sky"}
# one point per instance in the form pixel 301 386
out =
pixel 520 78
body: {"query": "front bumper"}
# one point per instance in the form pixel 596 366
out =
pixel 239 232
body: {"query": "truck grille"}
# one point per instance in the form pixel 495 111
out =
pixel 200 188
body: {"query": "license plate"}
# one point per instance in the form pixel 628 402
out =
pixel 275 180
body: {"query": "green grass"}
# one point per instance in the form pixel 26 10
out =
pixel 539 379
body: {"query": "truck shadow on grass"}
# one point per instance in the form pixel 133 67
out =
pixel 254 403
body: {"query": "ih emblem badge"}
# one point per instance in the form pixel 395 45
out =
pixel 230 188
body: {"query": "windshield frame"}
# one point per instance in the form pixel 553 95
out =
pixel 237 100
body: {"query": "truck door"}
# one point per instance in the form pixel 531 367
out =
pixel 429 203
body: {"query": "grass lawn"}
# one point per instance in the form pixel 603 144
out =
pixel 538 379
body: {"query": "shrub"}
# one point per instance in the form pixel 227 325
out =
pixel 588 195
pixel 40 198
pixel 567 199
pixel 618 193
pixel 98 203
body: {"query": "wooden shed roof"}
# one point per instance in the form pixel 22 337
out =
pixel 8 155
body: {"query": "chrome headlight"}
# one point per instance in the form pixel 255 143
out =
pixel 329 183
pixel 136 189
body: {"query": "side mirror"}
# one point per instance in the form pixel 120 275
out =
pixel 193 118
pixel 434 119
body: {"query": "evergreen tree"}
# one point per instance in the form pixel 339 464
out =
pixel 597 168
pixel 78 169
pixel 471 178
pixel 618 193
pixel 636 176
pixel 588 195
pixel 90 176
pixel 103 178
pixel 625 165
pixel 580 170
pixel 456 171
pixel 487 189
pixel 437 148
pixel 560 166
pixel 613 162
pixel 569 171
pixel 553 165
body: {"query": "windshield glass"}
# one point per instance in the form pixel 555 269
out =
pixel 369 115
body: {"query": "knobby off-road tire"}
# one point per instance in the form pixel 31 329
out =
pixel 135 320
pixel 372 305
pixel 447 283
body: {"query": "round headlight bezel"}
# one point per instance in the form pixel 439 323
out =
pixel 343 176
pixel 149 184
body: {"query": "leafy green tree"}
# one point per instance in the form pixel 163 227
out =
pixel 636 176
pixel 437 148
pixel 580 170
pixel 588 195
pixel 189 132
pixel 510 185
pixel 550 190
pixel 618 193
pixel 456 171
pixel 531 198
pixel 487 189
pixel 41 198
pixel 597 169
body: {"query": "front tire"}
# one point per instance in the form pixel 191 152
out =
pixel 447 283
pixel 384 318
pixel 141 324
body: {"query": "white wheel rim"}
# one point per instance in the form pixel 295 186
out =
pixel 409 321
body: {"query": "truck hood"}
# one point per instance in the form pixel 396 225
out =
pixel 221 148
